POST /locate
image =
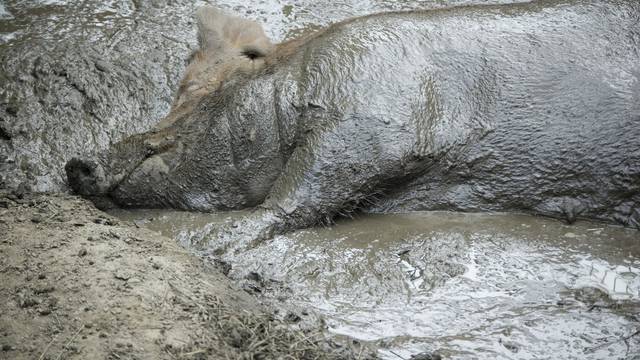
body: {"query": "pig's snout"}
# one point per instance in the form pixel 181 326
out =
pixel 86 177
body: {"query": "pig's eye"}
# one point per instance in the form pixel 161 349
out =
pixel 252 54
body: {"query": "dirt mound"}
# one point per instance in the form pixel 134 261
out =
pixel 81 284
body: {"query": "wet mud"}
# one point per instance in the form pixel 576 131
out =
pixel 458 285
pixel 78 76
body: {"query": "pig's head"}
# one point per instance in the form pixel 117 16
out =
pixel 228 47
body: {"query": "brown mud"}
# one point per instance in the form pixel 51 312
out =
pixel 80 284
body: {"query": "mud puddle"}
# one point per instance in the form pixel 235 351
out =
pixel 461 285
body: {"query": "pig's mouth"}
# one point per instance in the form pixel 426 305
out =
pixel 86 177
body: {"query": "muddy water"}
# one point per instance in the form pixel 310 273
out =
pixel 462 285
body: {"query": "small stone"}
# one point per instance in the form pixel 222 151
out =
pixel 570 235
pixel 44 311
pixel 122 275
pixel 292 318
pixel 254 276
pixel 224 267
pixel 36 219
pixel 28 301
pixel 42 276
pixel 82 252
pixel 102 335
pixel 44 289
pixel 7 347
pixel 102 66
pixel 134 281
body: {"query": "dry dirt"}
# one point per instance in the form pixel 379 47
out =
pixel 76 283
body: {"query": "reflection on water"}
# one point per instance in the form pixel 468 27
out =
pixel 464 285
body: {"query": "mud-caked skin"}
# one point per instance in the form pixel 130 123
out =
pixel 525 107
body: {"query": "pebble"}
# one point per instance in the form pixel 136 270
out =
pixel 28 301
pixel 102 66
pixel 292 318
pixel 45 289
pixel 82 252
pixel 134 281
pixel 121 275
pixel 7 347
pixel 254 276
pixel 44 311
pixel 61 219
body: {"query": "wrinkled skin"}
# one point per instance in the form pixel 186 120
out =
pixel 530 108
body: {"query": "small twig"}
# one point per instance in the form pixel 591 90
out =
pixel 48 346
pixel 625 339
pixel 391 351
pixel 202 351
pixel 70 341
pixel 170 354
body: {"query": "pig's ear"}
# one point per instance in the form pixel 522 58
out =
pixel 223 34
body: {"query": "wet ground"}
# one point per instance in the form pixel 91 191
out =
pixel 461 285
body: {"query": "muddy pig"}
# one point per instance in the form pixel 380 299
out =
pixel 531 107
